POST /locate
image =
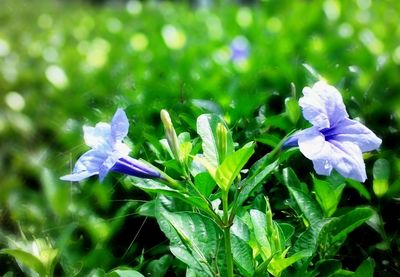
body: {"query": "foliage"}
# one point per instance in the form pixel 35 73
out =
pixel 68 63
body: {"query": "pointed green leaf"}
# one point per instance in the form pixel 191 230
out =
pixel 27 259
pixel 194 239
pixel 230 168
pixel 259 222
pixel 343 225
pixel 307 205
pixel 366 269
pixel 242 256
pixel 328 195
pixel 278 263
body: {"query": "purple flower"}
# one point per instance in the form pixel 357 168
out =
pixel 109 152
pixel 239 49
pixel 334 141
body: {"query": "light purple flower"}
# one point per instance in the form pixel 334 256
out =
pixel 334 141
pixel 108 152
pixel 239 49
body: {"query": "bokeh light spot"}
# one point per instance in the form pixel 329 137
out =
pixel 139 41
pixel 173 38
pixel 57 76
pixel 244 17
pixel 15 101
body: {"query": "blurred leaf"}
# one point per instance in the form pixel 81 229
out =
pixel 57 193
pixel 124 272
pixel 292 109
pixel 27 259
pixel 381 172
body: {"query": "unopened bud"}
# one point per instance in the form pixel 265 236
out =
pixel 222 141
pixel 170 134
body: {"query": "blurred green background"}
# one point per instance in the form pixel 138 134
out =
pixel 68 63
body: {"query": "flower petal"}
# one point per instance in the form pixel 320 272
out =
pixel 87 165
pixel 348 160
pixel 98 137
pixel 322 105
pixel 313 145
pixel 76 177
pixel 107 165
pixel 130 166
pixel 353 131
pixel 119 125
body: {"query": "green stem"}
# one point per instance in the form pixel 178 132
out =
pixel 227 234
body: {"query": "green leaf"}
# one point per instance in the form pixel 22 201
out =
pixel 27 259
pixel 328 195
pixel 251 183
pixel 381 172
pixel 242 256
pixel 280 263
pixel 230 168
pixel 150 185
pixel 259 222
pixel 292 109
pixel 307 205
pixel 205 183
pixel 124 272
pixel 194 239
pixel 340 227
pixel 366 269
pixel 360 188
pixel 57 193
pixel 287 230
pixel 326 267
pixel 206 128
pixel 158 268
pixel 308 240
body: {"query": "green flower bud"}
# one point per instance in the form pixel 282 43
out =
pixel 222 137
pixel 170 134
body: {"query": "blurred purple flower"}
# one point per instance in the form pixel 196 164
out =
pixel 334 141
pixel 108 152
pixel 239 49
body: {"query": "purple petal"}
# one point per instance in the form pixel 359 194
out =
pixel 98 137
pixel 87 165
pixel 107 165
pixel 348 160
pixel 312 144
pixel 76 177
pixel 348 130
pixel 119 125
pixel 322 105
pixel 133 167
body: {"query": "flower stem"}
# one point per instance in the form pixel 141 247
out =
pixel 227 234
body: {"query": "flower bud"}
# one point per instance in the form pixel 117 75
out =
pixel 222 137
pixel 170 134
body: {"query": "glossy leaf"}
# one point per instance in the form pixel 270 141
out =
pixel 206 128
pixel 328 196
pixel 194 239
pixel 230 168
pixel 307 205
